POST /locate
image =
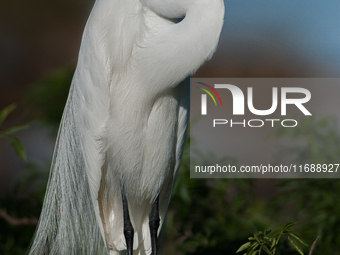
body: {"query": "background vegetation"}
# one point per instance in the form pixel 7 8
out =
pixel 206 216
pixel 262 38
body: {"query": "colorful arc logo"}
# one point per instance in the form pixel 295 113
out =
pixel 208 86
pixel 204 97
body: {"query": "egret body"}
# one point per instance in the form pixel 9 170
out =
pixel 123 129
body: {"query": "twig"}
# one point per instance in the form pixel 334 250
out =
pixel 18 222
pixel 313 246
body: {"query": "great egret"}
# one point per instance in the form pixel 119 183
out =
pixel 124 125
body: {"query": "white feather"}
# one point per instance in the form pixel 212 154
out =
pixel 125 120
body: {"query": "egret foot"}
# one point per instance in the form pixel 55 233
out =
pixel 154 225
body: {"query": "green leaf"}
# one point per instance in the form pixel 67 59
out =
pixel 5 112
pixel 298 238
pixel 244 247
pixel 14 129
pixel 295 245
pixel 288 225
pixel 273 243
pixel 253 248
pixel 274 250
pixel 258 237
pixel 265 248
pixel 185 195
pixel 17 145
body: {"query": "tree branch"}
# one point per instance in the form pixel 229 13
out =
pixel 18 222
pixel 313 246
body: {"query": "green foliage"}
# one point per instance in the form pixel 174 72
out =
pixel 312 141
pixel 206 216
pixel 8 133
pixel 24 200
pixel 45 100
pixel 265 242
pixel 314 202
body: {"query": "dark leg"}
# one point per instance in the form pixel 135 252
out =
pixel 128 229
pixel 154 224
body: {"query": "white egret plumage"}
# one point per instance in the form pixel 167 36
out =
pixel 123 129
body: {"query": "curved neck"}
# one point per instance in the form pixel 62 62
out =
pixel 169 8
pixel 120 29
pixel 193 40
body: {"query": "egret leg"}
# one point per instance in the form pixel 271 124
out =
pixel 154 225
pixel 128 228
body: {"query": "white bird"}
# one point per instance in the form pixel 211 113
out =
pixel 123 129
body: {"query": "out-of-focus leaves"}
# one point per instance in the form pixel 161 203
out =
pixel 244 247
pixel 17 145
pixel 314 141
pixel 298 238
pixel 206 216
pixel 14 129
pixel 295 245
pixel 45 100
pixel 313 202
pixel 288 225
pixel 15 142
pixel 269 242
pixel 5 112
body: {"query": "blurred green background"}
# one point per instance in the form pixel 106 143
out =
pixel 39 43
